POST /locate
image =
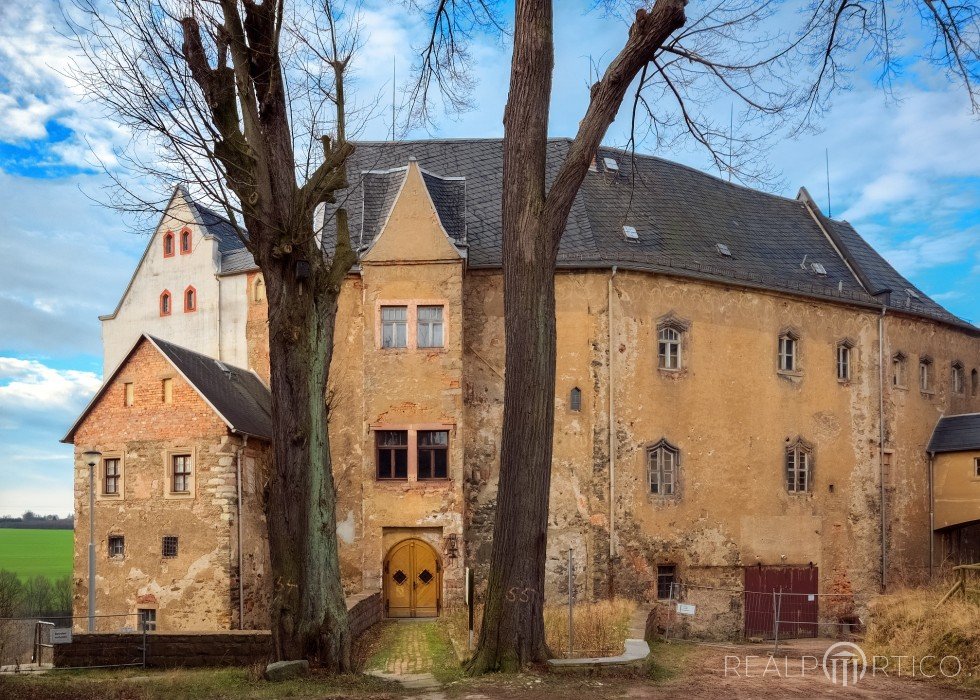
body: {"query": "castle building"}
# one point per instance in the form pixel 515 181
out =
pixel 746 395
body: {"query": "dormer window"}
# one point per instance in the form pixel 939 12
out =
pixel 185 241
pixel 166 303
pixel 168 244
pixel 190 299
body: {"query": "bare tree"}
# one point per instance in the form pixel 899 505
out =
pixel 676 66
pixel 235 97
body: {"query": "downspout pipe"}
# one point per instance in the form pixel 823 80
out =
pixel 881 440
pixel 241 571
pixel 932 513
pixel 612 434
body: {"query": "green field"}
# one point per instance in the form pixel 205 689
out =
pixel 31 552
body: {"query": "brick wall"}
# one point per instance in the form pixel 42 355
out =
pixel 167 649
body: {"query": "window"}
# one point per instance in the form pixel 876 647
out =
pixel 110 469
pixel 974 382
pixel 976 467
pixel 575 399
pixel 168 390
pixel 668 348
pixel 430 327
pixel 128 394
pixel 117 546
pixel 185 241
pixel 181 482
pixel 959 378
pixel 190 299
pixel 433 453
pixel 169 546
pixel 898 370
pixel 394 326
pixel 258 292
pixel 165 303
pixel 666 580
pixel 168 244
pixel 148 619
pixel 799 467
pixel 392 454
pixel 925 374
pixel 844 361
pixel 789 352
pixel 662 460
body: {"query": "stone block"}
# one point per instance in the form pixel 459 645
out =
pixel 284 670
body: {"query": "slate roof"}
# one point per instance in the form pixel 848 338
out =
pixel 680 214
pixel 956 434
pixel 218 226
pixel 237 395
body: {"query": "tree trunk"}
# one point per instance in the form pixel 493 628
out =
pixel 309 612
pixel 512 633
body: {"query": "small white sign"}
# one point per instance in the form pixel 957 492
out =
pixel 810 598
pixel 61 635
pixel 685 609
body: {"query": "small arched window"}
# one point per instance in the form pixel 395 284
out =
pixel 185 241
pixel 925 374
pixel 799 466
pixel 166 303
pixel 190 299
pixel 575 399
pixel 663 460
pixel 668 347
pixel 168 244
pixel 258 290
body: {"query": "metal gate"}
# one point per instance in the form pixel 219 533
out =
pixel 790 591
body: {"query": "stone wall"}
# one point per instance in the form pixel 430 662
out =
pixel 167 649
pixel 364 610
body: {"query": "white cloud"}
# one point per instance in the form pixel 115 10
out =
pixel 31 385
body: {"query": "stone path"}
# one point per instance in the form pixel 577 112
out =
pixel 409 661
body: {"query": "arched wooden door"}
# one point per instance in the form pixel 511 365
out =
pixel 412 580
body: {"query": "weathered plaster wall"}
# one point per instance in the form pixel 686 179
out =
pixel 957 488
pixel 191 591
pixel 139 310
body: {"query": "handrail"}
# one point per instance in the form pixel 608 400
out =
pixel 38 644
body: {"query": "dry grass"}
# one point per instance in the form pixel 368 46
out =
pixel 600 629
pixel 907 623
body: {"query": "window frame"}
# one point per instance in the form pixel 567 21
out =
pixel 116 477
pixel 190 292
pixel 430 325
pixel 926 378
pixel 900 367
pixel 147 622
pixel 129 394
pixel 792 470
pixel 167 467
pixel 185 233
pixel 184 475
pixel 976 467
pixel 670 350
pixel 167 540
pixel 845 361
pixel 379 448
pixel 116 539
pixel 394 323
pixel 431 451
pixel 974 382
pixel 958 378
pixel 169 241
pixel 785 351
pixel 656 466
pixel 166 303
pixel 670 576
pixel 575 400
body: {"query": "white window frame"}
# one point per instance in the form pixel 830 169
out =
pixel 845 361
pixel 670 347
pixel 394 325
pixel 789 352
pixel 799 467
pixel 431 327
pixel 925 375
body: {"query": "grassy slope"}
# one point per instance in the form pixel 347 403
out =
pixel 32 552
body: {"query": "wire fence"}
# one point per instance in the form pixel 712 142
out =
pixel 27 643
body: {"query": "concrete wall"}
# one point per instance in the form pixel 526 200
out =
pixel 139 308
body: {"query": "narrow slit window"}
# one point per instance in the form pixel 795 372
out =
pixel 925 374
pixel 168 390
pixel 129 394
pixel 394 326
pixel 392 454
pixel 844 362
pixel 166 304
pixel 185 242
pixel 168 244
pixel 959 378
pixel 190 299
pixel 575 399
pixel 974 382
pixel 430 327
pixel 433 454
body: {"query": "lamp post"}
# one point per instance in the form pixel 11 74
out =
pixel 92 458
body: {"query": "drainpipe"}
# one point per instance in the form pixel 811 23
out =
pixel 612 437
pixel 241 575
pixel 881 436
pixel 217 279
pixel 932 513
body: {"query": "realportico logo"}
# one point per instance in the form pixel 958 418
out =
pixel 844 664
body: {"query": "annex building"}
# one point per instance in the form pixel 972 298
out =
pixel 746 395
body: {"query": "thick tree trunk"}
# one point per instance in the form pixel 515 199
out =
pixel 513 625
pixel 309 612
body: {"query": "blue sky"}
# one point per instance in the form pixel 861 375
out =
pixel 905 172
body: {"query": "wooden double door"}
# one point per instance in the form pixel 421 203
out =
pixel 412 580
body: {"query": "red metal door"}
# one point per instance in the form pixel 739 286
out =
pixel 791 589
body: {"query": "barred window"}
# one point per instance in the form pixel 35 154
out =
pixel 430 327
pixel 181 482
pixel 117 546
pixel 392 454
pixel 433 454
pixel 170 546
pixel 662 463
pixel 799 467
pixel 111 482
pixel 789 360
pixel 394 326
pixel 668 348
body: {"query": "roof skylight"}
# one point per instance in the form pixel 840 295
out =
pixel 819 268
pixel 630 233
pixel 724 250
pixel 612 165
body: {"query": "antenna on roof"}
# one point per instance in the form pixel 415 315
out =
pixel 803 264
pixel 731 133
pixel 394 60
pixel 826 153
